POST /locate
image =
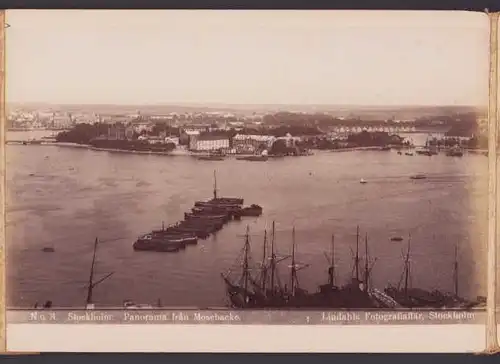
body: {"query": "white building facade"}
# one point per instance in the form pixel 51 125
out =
pixel 208 143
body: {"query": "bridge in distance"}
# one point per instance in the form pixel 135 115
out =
pixel 346 129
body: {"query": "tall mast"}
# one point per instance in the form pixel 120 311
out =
pixel 293 267
pixel 215 185
pixel 273 259
pixel 367 268
pixel 91 276
pixel 455 271
pixel 356 258
pixel 245 263
pixel 264 266
pixel 407 267
pixel 331 271
pixel 93 283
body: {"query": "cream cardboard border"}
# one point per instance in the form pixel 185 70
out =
pixel 458 338
pixel 228 338
pixel 491 327
pixel 2 181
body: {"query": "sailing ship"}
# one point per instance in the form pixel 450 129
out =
pixel 356 293
pixel 260 290
pixel 239 291
pixel 411 297
pixel 266 291
pixel 295 296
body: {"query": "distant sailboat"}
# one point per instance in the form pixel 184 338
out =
pixel 418 176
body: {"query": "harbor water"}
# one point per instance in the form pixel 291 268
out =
pixel 66 197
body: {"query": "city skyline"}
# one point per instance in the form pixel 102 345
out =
pixel 287 58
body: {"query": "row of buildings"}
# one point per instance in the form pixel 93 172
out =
pixel 240 143
pixel 204 140
pixel 48 119
pixel 42 119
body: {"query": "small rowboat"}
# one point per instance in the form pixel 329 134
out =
pixel 419 176
pixel 397 238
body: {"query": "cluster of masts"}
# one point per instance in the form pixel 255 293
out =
pixel 252 289
pixel 265 289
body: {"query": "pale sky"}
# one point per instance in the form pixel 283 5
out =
pixel 247 57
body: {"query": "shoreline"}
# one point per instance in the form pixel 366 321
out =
pixel 175 153
pixel 186 153
pixel 353 149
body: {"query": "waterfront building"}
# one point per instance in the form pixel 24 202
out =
pixel 251 143
pixel 289 140
pixel 61 121
pixel 156 140
pixel 129 132
pixel 173 140
pixel 165 118
pixel 143 126
pixel 207 142
pixel 114 118
pixel 116 132
pixel 186 135
pixel 235 124
pixel 202 127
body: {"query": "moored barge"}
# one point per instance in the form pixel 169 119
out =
pixel 204 219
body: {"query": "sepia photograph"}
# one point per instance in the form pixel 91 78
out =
pixel 223 162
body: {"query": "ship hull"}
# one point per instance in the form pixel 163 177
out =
pixel 419 298
pixel 208 158
pixel 253 159
pixel 166 246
